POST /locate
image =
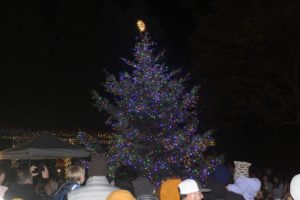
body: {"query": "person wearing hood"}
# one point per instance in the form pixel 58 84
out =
pixel 247 187
pixel 75 177
pixel 190 190
pixel 120 195
pixel 295 187
pixel 143 189
pixel 243 186
pixel 169 186
pixel 217 183
pixel 97 185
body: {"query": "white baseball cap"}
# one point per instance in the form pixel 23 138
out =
pixel 190 186
pixel 295 187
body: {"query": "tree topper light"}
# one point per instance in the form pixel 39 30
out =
pixel 141 25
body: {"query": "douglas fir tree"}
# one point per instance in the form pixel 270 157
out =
pixel 154 118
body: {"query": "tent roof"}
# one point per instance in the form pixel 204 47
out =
pixel 45 146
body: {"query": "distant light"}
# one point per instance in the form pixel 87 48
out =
pixel 141 25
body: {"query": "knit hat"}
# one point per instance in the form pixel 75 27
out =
pixel 248 187
pixel 190 186
pixel 295 187
pixel 97 165
pixel 120 195
pixel 142 186
pixel 241 169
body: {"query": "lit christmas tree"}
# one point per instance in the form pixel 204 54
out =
pixel 154 118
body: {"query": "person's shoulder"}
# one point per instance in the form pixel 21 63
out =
pixel 233 196
pixel 65 189
pixel 91 190
pixel 147 197
pixel 70 186
pixel 171 181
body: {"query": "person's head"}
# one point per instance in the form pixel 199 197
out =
pixel 125 172
pixel 265 179
pixel 269 172
pixel 97 165
pixel 124 177
pixel 241 168
pixel 192 196
pixel 76 173
pixel 24 176
pixel 142 186
pixel 190 190
pixel 277 180
pixel 295 187
pixel 253 171
pixel 2 174
pixel 120 195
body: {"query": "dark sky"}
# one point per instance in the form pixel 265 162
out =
pixel 54 52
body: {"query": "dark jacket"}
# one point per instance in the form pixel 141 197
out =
pixel 218 189
pixel 62 192
pixel 233 196
pixel 22 191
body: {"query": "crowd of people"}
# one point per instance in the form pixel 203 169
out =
pixel 241 182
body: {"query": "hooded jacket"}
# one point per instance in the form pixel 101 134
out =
pixel 169 189
pixel 96 188
pixel 247 187
pixel 120 195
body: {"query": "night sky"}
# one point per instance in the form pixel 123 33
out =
pixel 54 52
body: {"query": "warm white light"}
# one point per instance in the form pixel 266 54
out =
pixel 141 25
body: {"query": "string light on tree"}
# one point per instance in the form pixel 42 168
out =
pixel 154 118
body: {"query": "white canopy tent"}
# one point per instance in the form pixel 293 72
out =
pixel 45 146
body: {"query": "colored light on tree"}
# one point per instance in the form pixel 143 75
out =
pixel 154 118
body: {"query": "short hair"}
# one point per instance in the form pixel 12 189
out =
pixel 183 196
pixel 75 172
